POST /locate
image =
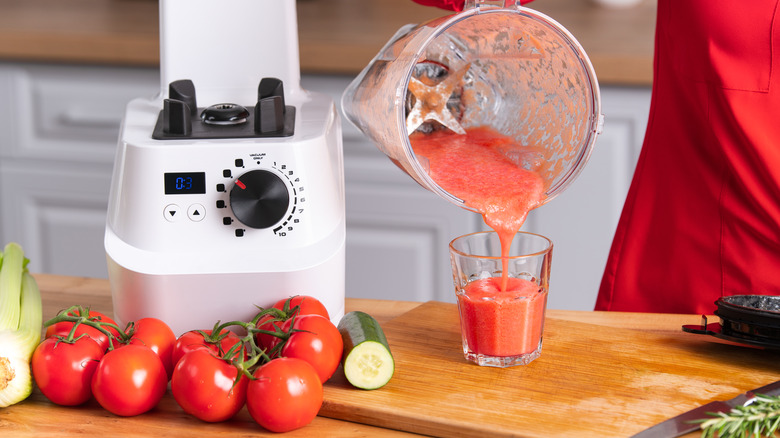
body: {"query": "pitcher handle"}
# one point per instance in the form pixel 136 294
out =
pixel 470 4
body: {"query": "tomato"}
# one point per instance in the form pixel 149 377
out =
pixel 285 395
pixel 266 341
pixel 194 340
pixel 205 386
pixel 316 340
pixel 64 327
pixel 306 305
pixel 129 380
pixel 156 335
pixel 296 305
pixel 189 341
pixel 63 371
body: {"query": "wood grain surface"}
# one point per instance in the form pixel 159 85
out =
pixel 336 36
pixel 600 374
pixel 590 381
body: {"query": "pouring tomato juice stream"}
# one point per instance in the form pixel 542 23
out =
pixel 500 316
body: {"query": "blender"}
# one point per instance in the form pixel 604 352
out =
pixel 496 64
pixel 228 186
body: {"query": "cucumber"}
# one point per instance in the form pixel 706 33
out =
pixel 367 361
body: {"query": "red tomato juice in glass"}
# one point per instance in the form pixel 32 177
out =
pixel 502 323
pixel 500 316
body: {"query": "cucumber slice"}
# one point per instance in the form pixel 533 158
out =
pixel 367 361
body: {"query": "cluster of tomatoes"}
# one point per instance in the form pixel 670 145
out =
pixel 276 367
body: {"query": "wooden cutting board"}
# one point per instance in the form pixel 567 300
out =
pixel 590 381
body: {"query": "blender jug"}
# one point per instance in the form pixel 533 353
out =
pixel 505 67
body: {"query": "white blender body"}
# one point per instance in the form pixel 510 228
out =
pixel 204 225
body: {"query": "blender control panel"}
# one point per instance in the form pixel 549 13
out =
pixel 184 183
pixel 250 194
pixel 250 191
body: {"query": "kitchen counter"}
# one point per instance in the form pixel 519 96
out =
pixel 36 416
pixel 336 36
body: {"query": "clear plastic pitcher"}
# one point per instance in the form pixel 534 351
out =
pixel 507 67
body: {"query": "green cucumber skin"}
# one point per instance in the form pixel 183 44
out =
pixel 357 327
pixel 359 331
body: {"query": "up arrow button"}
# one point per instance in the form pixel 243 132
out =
pixel 196 212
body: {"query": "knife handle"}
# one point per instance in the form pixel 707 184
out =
pixel 771 389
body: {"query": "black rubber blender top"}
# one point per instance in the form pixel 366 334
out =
pixel 181 118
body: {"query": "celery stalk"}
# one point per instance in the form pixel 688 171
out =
pixel 31 314
pixel 18 339
pixel 11 286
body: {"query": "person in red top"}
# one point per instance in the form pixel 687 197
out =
pixel 702 216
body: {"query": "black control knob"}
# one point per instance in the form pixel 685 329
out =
pixel 259 198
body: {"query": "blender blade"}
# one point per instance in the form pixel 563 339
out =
pixel 431 102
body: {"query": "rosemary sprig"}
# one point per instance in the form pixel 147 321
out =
pixel 761 418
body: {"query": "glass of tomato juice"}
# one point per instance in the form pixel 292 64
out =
pixel 501 298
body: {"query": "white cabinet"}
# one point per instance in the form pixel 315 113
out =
pixel 57 212
pixel 58 133
pixel 397 232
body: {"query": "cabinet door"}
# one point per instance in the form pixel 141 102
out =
pixel 58 135
pixel 63 113
pixel 397 232
pixel 582 220
pixel 57 215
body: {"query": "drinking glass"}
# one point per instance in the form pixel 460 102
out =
pixel 501 300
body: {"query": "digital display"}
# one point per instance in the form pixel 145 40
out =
pixel 185 183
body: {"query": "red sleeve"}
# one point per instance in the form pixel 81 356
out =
pixel 452 5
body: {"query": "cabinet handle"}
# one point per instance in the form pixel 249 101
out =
pixel 77 118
